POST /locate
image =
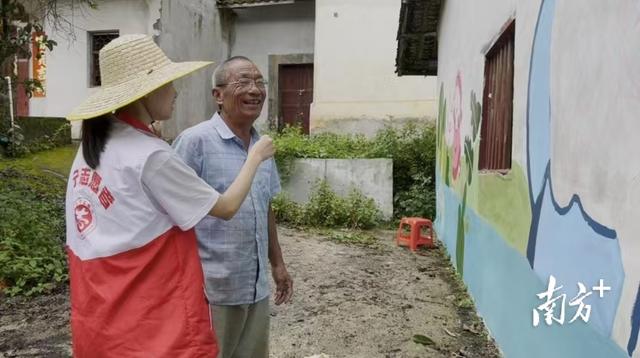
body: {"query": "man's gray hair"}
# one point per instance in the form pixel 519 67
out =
pixel 221 75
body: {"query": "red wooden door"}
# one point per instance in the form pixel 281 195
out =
pixel 295 84
pixel 497 104
pixel 22 101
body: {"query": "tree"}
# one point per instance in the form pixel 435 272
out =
pixel 19 21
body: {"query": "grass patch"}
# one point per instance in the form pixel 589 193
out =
pixel 466 302
pixel 32 221
pixel 357 238
pixel 57 160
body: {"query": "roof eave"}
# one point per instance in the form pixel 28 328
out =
pixel 264 3
pixel 417 52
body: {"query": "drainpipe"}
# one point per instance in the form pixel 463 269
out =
pixel 8 78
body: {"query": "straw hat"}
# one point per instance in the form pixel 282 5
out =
pixel 131 66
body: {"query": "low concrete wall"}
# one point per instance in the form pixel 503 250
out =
pixel 373 177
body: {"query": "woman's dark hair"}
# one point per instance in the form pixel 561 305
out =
pixel 95 133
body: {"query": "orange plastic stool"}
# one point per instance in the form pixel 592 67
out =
pixel 415 237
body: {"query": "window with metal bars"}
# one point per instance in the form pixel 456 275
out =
pixel 497 104
pixel 97 40
pixel 417 37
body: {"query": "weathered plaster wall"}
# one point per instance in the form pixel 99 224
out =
pixel 68 63
pixel 261 31
pixel 185 30
pixel 355 86
pixel 192 30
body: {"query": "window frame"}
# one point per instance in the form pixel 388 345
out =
pixel 94 64
pixel 497 119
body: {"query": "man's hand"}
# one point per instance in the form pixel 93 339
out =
pixel 284 284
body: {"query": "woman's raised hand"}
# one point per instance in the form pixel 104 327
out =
pixel 263 149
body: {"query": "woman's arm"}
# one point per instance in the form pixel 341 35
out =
pixel 229 202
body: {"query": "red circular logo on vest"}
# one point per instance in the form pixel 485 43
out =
pixel 84 216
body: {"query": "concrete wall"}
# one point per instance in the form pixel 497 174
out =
pixel 68 63
pixel 373 177
pixel 272 30
pixel 356 89
pixel 568 206
pixel 192 30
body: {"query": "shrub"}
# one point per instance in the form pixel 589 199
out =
pixel 288 211
pixel 363 211
pixel 32 231
pixel 292 144
pixel 35 134
pixel 418 200
pixel 327 209
pixel 413 149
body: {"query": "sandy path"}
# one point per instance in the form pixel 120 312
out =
pixel 350 301
pixel 355 301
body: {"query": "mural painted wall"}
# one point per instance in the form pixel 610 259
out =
pixel 567 209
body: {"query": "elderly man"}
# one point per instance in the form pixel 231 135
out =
pixel 234 253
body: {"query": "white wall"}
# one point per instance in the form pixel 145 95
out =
pixel 68 63
pixel 355 83
pixel 272 30
pixel 594 129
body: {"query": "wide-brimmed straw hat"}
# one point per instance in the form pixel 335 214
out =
pixel 131 66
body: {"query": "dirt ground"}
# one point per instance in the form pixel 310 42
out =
pixel 350 301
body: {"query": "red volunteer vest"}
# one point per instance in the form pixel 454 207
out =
pixel 136 279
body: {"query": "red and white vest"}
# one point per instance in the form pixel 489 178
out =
pixel 136 279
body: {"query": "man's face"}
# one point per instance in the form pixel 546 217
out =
pixel 242 96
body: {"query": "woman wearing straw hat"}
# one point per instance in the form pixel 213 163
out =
pixel 136 279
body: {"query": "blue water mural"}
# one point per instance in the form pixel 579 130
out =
pixel 538 106
pixel 504 289
pixel 447 214
pixel 564 241
pixel 635 325
pixel 569 249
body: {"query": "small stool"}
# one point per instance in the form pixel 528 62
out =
pixel 415 237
